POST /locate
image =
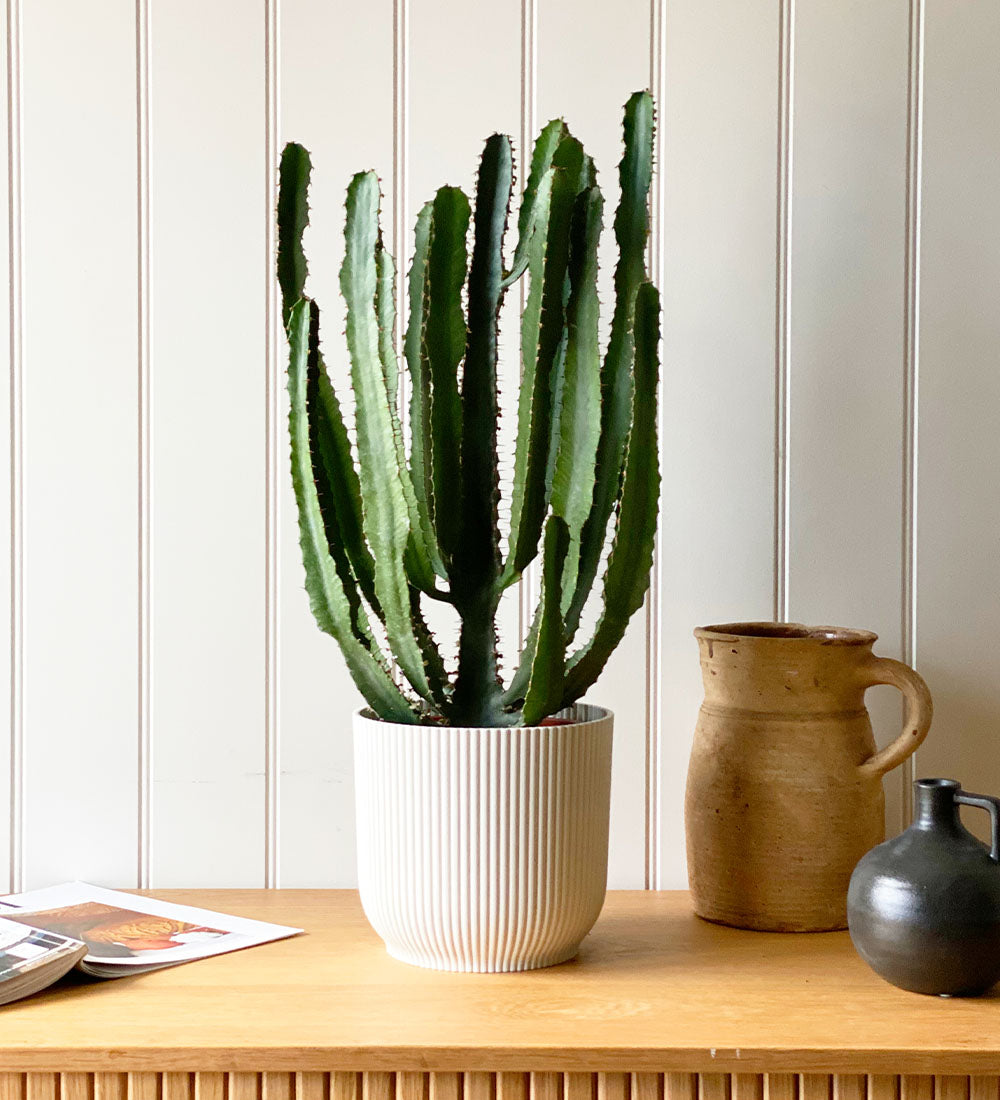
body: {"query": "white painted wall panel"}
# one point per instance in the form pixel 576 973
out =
pixel 716 541
pixel 846 348
pixel 588 66
pixel 208 442
pixel 460 92
pixel 411 88
pixel 959 446
pixel 8 313
pixel 345 118
pixel 80 439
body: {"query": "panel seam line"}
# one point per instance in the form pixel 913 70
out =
pixel 400 167
pixel 529 108
pixel 272 731
pixel 783 311
pixel 144 349
pixel 654 648
pixel 911 360
pixel 16 336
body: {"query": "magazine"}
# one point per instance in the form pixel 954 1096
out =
pixel 108 934
pixel 31 959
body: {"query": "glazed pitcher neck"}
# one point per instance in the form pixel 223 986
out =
pixel 934 804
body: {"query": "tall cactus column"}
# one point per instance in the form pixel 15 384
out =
pixel 383 530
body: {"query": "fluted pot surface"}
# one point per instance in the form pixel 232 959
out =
pixel 483 849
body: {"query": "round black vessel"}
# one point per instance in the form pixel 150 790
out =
pixel 923 909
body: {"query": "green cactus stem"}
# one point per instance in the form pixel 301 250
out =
pixel 326 588
pixel 382 530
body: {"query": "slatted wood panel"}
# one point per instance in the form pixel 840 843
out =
pixel 815 1086
pixel 883 1087
pixel 114 1086
pixel 781 1086
pixel 916 1087
pixel 178 1086
pixel 208 1086
pixel 612 1086
pixel 477 1085
pixel 676 1086
pixel 339 1086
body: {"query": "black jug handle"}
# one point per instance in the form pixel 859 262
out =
pixel 992 806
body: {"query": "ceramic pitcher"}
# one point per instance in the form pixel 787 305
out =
pixel 784 791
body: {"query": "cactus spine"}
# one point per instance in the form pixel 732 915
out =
pixel 381 530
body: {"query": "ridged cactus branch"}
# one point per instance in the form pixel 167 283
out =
pixel 631 230
pixel 548 667
pixel 293 217
pixel 419 556
pixel 580 420
pixel 477 555
pixel 534 410
pixel 382 530
pixel 627 575
pixel 439 699
pixel 385 516
pixel 543 328
pixel 415 350
pixel 445 338
pixel 338 489
pixel 327 596
pixel 541 161
pixel 419 566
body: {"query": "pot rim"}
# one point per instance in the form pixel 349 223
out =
pixel 601 714
pixel 783 633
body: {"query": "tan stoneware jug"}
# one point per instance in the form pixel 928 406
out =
pixel 784 790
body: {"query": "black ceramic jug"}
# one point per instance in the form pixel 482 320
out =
pixel 924 908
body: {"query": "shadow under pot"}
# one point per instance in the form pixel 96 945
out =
pixel 924 908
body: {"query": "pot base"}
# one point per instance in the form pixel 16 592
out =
pixel 472 966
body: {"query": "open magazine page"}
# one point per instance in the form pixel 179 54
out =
pixel 31 959
pixel 126 934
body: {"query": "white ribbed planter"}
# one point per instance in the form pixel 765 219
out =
pixel 483 849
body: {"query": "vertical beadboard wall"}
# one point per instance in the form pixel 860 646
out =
pixel 827 238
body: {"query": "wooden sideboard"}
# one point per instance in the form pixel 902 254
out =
pixel 658 1006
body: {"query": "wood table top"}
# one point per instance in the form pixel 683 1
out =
pixel 653 988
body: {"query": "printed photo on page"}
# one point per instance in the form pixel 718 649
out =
pixel 123 931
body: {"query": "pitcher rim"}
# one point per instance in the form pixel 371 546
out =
pixel 783 633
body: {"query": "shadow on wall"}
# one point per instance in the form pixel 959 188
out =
pixel 963 740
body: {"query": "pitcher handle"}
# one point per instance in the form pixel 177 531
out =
pixel 916 721
pixel 985 802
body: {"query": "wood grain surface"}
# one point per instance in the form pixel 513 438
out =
pixel 655 997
